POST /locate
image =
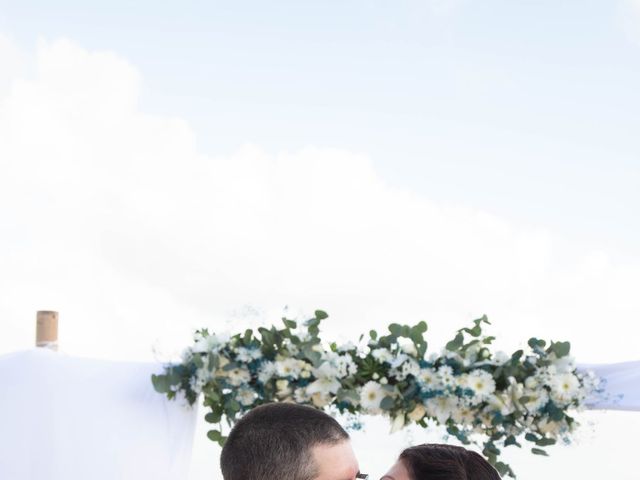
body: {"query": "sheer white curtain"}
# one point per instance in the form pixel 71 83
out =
pixel 621 382
pixel 71 418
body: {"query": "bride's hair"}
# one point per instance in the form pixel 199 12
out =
pixel 435 461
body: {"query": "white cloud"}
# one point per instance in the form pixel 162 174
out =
pixel 629 18
pixel 113 217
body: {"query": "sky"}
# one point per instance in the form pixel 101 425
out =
pixel 164 168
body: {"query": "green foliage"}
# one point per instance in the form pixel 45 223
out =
pixel 487 394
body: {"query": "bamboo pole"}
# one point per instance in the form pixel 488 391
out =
pixel 47 329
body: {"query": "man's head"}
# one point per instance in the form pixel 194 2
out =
pixel 281 441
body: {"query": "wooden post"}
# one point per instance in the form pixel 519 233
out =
pixel 47 330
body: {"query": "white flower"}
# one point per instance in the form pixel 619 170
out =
pixel 564 388
pixel 246 396
pixel 346 366
pixel 441 407
pixel 335 365
pixel 531 383
pixel 266 372
pixel 324 385
pixel 398 423
pixel 428 379
pixel 289 367
pixel 546 375
pixel 399 360
pixel 371 395
pixel 200 379
pixel 549 427
pixel 238 376
pixel 463 415
pixel 501 402
pixel 283 389
pixel 345 347
pixel 247 355
pixel 446 377
pixel 382 355
pixel 532 359
pixel 301 395
pixel 409 348
pixel 410 367
pixel 210 343
pixel 320 399
pixel 537 399
pixel 500 358
pixel 482 384
pixel 564 364
pixel 326 370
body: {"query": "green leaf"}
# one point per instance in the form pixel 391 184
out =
pixel 517 355
pixel 539 451
pixel 511 440
pixel 160 383
pixel 289 323
pixel 232 406
pixel 455 344
pixel 387 403
pixel 321 314
pixel 531 437
pixel 247 336
pixel 212 418
pixel 373 334
pixel 545 442
pixel 395 329
pixel 561 349
pixel 214 435
pixel 536 343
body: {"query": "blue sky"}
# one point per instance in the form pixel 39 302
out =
pixel 529 110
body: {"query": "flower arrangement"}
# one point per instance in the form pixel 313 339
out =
pixel 480 397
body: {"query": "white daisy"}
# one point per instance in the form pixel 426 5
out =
pixel 441 407
pixel 428 379
pixel 289 367
pixel 246 396
pixel 371 395
pixel 238 376
pixel 482 384
pixel 564 388
pixel 266 372
pixel 382 355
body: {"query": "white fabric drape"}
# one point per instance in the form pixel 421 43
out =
pixel 621 385
pixel 72 418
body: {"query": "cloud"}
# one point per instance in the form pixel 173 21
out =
pixel 113 217
pixel 629 18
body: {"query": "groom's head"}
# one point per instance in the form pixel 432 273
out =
pixel 281 441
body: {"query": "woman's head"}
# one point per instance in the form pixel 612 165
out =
pixel 440 462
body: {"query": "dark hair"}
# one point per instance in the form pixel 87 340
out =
pixel 433 461
pixel 274 441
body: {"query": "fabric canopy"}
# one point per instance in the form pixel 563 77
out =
pixel 621 386
pixel 67 418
